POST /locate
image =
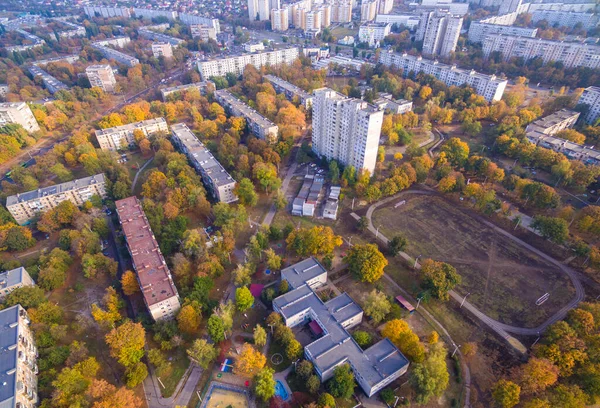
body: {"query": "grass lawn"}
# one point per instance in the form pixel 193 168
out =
pixel 276 348
pixel 341 31
pixel 179 364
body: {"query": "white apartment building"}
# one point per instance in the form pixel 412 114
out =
pixel 588 21
pixel 155 280
pixel 385 6
pixel 290 90
pixel 25 206
pixel 409 20
pixel 203 32
pixel 120 42
pixel 150 34
pixel 106 12
pixel 162 49
pixel 480 29
pixel 254 47
pixel 260 126
pixel 312 20
pixel 101 76
pixel 441 33
pixel 190 19
pixel 120 137
pixel 345 129
pixel 259 10
pixel 571 54
pixel 368 10
pixel 373 33
pixel 14 279
pixel 279 19
pixel 581 6
pixel 341 11
pixel 591 98
pixel 19 113
pixel 509 6
pixel 236 64
pixel 216 179
pixel 487 86
pixel 111 53
pixel 459 9
pixel 71 59
pixel 203 87
pixel 325 10
pixel 150 13
pixel 554 123
pixel 18 367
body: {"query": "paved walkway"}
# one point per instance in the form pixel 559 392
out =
pixel 138 174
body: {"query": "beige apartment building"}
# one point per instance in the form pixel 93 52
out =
pixel 119 137
pixel 101 76
pixel 25 206
pixel 19 113
pixel 162 49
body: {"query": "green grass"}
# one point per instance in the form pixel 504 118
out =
pixel 179 365
pixel 275 348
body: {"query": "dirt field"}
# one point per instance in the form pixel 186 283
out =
pixel 502 279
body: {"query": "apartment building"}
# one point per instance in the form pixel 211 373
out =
pixel 373 368
pixel 459 9
pixel 52 84
pixel 312 20
pixel 19 113
pixel 190 19
pixel 14 279
pixel 409 20
pixel 554 123
pixel 570 54
pixel 106 12
pixel 509 6
pixel 573 151
pixel 345 129
pixel 119 137
pixel 101 76
pixel 385 6
pixel 346 62
pixel 279 19
pixel 387 103
pixel 574 6
pixel 236 64
pixel 441 33
pixel 203 87
pixel 203 32
pixel 259 10
pixel 4 89
pixel 162 49
pixel 216 179
pixel 481 29
pixel 150 14
pixel 18 365
pixel 34 39
pixel 71 59
pixel 373 33
pixel 591 98
pixel 111 53
pixel 368 10
pixel 156 284
pixel 159 37
pixel 120 42
pixel 588 21
pixel 488 86
pixel 25 206
pixel 290 90
pixel 260 126
pixel 341 11
pixel 254 47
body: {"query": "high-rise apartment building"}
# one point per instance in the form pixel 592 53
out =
pixel 373 33
pixel 279 19
pixel 203 32
pixel 341 11
pixel 368 10
pixel 259 10
pixel 345 129
pixel 591 98
pixel 156 284
pixel 441 33
pixel 236 64
pixel 18 365
pixel 216 179
pixel 25 206
pixel 312 20
pixel 120 137
pixel 162 49
pixel 488 86
pixel 19 113
pixel 325 10
pixel 385 6
pixel 570 54
pixel 101 76
pixel 509 6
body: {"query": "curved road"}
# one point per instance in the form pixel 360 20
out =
pixel 501 328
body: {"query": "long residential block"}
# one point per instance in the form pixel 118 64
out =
pixel 216 179
pixel 588 21
pixel 111 53
pixel 18 365
pixel 260 126
pixel 159 291
pixel 488 86
pixel 373 368
pixel 554 123
pixel 106 12
pixel 14 279
pixel 480 29
pixel 290 90
pixel 120 137
pixel 153 35
pixel 19 113
pixel 591 98
pixel 25 206
pixel 52 84
pixel 346 129
pixel 570 54
pixel 203 87
pixel 71 59
pixel 237 64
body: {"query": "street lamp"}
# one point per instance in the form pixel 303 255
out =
pixel 463 301
pixel 456 347
pixel 377 234
pixel 419 302
pixel 416 259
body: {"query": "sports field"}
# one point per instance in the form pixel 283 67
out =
pixel 503 280
pixel 221 398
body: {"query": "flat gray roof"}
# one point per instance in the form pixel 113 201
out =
pixel 12 277
pixel 9 334
pixel 55 189
pixel 288 86
pixel 246 110
pixel 303 271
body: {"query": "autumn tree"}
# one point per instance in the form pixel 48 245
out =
pixel 536 375
pixel 318 240
pixel 376 306
pixel 264 383
pixel 405 339
pixel 260 336
pixel 273 260
pixel 366 262
pixel 189 318
pixel 506 393
pixel 106 395
pixel 129 283
pixel 202 353
pixel 456 151
pixel 430 378
pixel 439 277
pixel 243 299
pixel 126 343
pixel 242 275
pixel 250 361
pixel 108 316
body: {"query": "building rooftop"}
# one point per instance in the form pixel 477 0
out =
pixel 12 277
pixel 55 189
pixel 288 86
pixel 552 120
pixel 178 88
pixel 48 79
pixel 11 105
pixel 303 271
pixel 152 271
pixel 130 127
pixel 198 152
pixel 9 336
pixel 246 110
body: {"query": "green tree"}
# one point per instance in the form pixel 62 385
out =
pixel 293 351
pixel 244 189
pixel 457 151
pixel 363 224
pixel 304 369
pixel 366 262
pixel 506 394
pixel 243 299
pixel 266 175
pixel 397 245
pixel 273 260
pixel 26 296
pixel 126 343
pixel 202 353
pixel 326 401
pixel 553 228
pixel 430 378
pixel 363 338
pixel 334 172
pixel 342 383
pixel 260 335
pixel 439 277
pixel 135 374
pixel 264 387
pixel 313 383
pixel 215 328
pixel 242 275
pixel 376 306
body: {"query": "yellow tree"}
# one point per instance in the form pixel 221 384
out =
pixel 129 283
pixel 126 343
pixel 405 339
pixel 188 319
pixel 250 361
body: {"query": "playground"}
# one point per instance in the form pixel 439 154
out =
pixel 223 396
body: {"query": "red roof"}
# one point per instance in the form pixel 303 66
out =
pixel 256 289
pixel 315 328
